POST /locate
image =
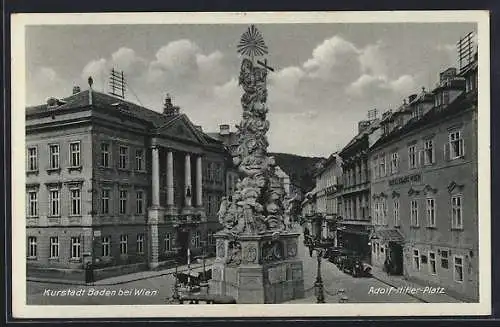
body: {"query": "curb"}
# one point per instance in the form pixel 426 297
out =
pixel 66 282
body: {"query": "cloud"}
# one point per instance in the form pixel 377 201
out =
pixel 333 59
pixel 314 104
pixel 373 60
pixel 45 82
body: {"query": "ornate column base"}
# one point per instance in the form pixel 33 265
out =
pixel 258 268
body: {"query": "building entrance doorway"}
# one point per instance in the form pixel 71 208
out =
pixel 183 242
pixel 395 266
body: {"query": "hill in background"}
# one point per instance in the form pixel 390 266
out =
pixel 300 169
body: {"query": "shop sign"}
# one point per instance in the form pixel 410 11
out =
pixel 405 179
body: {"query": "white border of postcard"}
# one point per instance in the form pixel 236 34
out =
pixel 21 310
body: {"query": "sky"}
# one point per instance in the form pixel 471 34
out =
pixel 326 78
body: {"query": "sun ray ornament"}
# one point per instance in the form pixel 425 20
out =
pixel 252 43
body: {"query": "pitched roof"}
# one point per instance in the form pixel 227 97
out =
pixel 156 119
pixel 462 102
pixel 99 99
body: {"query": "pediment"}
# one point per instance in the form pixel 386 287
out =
pixel 181 128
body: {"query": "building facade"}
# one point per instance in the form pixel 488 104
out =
pixel 118 185
pixel 424 187
pixel 354 226
pixel 327 196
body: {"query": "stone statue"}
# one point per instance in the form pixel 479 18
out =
pixel 257 204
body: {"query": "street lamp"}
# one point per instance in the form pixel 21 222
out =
pixel 204 281
pixel 175 296
pixel 313 242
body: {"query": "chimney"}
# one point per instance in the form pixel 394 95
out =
pixel 447 74
pixel 224 129
pixel 76 89
pixel 363 126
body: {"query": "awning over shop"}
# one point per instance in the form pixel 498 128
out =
pixel 388 235
pixel 358 230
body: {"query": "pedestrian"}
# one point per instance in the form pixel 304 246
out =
pixel 89 273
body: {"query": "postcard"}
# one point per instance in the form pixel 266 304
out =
pixel 260 164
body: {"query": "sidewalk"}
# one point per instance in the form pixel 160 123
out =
pixel 123 279
pixel 400 281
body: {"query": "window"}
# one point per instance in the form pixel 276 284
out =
pixel 76 201
pixel 123 163
pixel 432 263
pixel 75 247
pixel 32 158
pixel 123 202
pixel 54 202
pixel 123 244
pixel 416 260
pixel 105 154
pixel 139 159
pixel 140 243
pixel 210 237
pixel 382 166
pixel 394 162
pixel 74 154
pixel 375 168
pixel 431 213
pixel 444 259
pixel 54 156
pixel 412 157
pixel 168 242
pixel 139 202
pixel 458 272
pixel 456 211
pixel 384 211
pixel 32 204
pixel 446 97
pixel 196 239
pixel 429 152
pixel 414 212
pixel 105 201
pixel 54 247
pixel 456 145
pixel 106 246
pixel 32 247
pixel 396 212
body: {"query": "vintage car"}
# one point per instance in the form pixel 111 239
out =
pixel 353 265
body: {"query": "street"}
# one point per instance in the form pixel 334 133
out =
pixel 156 290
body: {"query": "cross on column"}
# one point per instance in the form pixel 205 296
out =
pixel 264 64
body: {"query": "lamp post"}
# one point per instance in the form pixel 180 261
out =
pixel 204 282
pixel 175 296
pixel 313 242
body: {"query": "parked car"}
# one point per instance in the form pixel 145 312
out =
pixel 355 267
pixel 337 254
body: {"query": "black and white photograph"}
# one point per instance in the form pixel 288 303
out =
pixel 236 164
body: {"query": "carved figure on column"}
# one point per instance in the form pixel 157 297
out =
pixel 257 204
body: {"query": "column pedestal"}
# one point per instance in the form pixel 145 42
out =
pixel 155 215
pixel 258 268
